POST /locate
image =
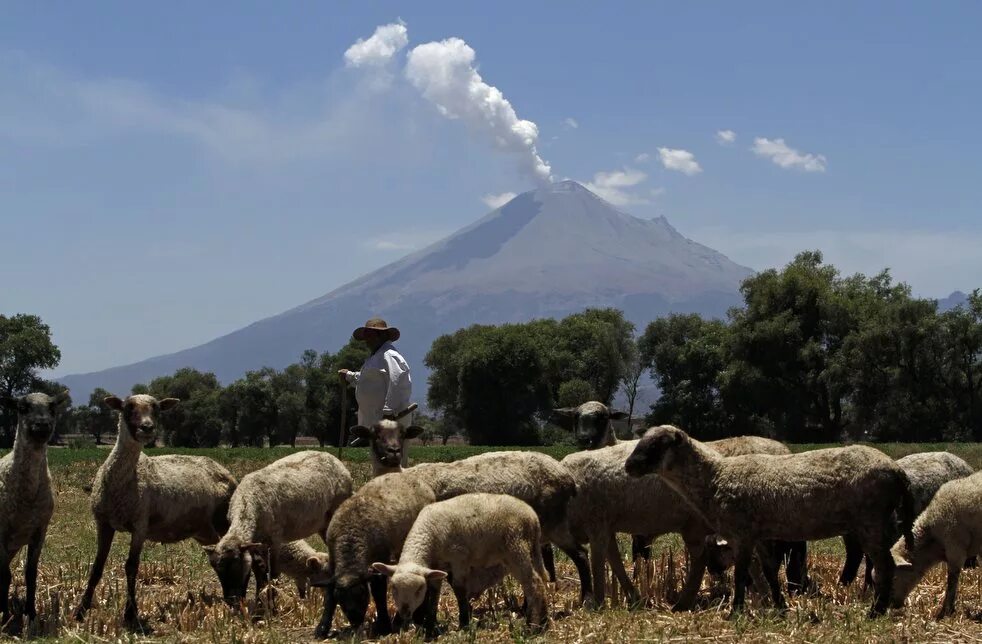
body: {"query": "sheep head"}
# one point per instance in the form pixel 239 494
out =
pixel 659 451
pixel 140 414
pixel 36 414
pixel 233 563
pixel 590 423
pixel 387 439
pixel 409 585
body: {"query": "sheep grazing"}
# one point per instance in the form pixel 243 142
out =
pixel 927 472
pixel 609 501
pixel 25 494
pixel 291 498
pixel 799 497
pixel 164 499
pixel 303 564
pixel 370 526
pixel 949 530
pixel 538 479
pixel 470 537
pixel 386 441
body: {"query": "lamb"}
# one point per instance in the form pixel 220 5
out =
pixel 927 472
pixel 813 495
pixel 949 530
pixel 608 501
pixel 370 526
pixel 291 498
pixel 468 536
pixel 25 495
pixel 304 565
pixel 164 498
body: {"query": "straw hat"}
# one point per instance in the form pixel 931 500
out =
pixel 376 324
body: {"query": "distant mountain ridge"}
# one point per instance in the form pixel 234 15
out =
pixel 546 253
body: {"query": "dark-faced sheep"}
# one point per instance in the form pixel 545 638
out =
pixel 164 498
pixel 799 497
pixel 25 495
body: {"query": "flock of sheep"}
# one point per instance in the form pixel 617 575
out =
pixel 746 502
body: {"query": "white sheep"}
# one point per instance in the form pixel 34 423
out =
pixel 25 494
pixel 386 441
pixel 370 526
pixel 813 495
pixel 299 561
pixel 927 472
pixel 949 530
pixel 164 498
pixel 471 537
pixel 291 498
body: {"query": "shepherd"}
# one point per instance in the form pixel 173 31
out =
pixel 382 386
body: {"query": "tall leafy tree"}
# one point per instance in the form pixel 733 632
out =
pixel 195 422
pixel 25 348
pixel 100 419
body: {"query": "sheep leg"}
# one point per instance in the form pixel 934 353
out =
pixel 5 580
pixel 598 557
pixel 532 587
pixel 617 565
pixel 327 616
pixel 130 613
pixel 796 568
pixel 549 561
pixel 262 579
pixel 640 547
pixel 693 576
pixel 463 605
pixel 951 590
pixel 741 576
pixel 104 539
pixel 378 584
pixel 879 552
pixel 868 573
pixel 769 566
pixel 425 615
pixel 577 555
pixel 854 556
pixel 31 573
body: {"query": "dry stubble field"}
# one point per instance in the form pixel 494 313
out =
pixel 180 597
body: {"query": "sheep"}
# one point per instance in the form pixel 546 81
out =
pixel 812 495
pixel 608 501
pixel 386 440
pixel 303 564
pixel 927 472
pixel 468 536
pixel 164 498
pixel 370 526
pixel 590 423
pixel 538 479
pixel 949 530
pixel 25 494
pixel 291 498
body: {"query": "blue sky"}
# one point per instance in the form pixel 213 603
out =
pixel 171 172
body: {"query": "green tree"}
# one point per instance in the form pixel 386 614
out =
pixel 963 377
pixel 686 355
pixel 573 393
pixel 100 420
pixel 25 348
pixel 195 422
pixel 289 396
pixel 596 346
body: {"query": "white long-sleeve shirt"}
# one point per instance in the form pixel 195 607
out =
pixel 383 385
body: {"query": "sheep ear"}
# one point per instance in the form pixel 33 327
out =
pixel 113 402
pixel 209 549
pixel 360 431
pixel 901 562
pixel 383 568
pixel 313 564
pixel 168 403
pixel 618 415
pixel 413 431
pixel 563 416
pixel 435 575
pixel 60 400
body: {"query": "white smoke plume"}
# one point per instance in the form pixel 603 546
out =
pixel 445 75
pixel 377 50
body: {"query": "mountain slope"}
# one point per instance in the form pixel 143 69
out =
pixel 548 252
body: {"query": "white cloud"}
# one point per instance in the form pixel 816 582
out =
pixel 497 201
pixel 657 192
pixel 725 137
pixel 377 50
pixel 614 186
pixel 930 261
pixel 570 123
pixel 680 160
pixel 445 74
pixel 644 157
pixel 787 157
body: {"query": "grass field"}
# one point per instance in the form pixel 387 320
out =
pixel 180 597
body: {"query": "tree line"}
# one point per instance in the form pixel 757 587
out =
pixel 810 356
